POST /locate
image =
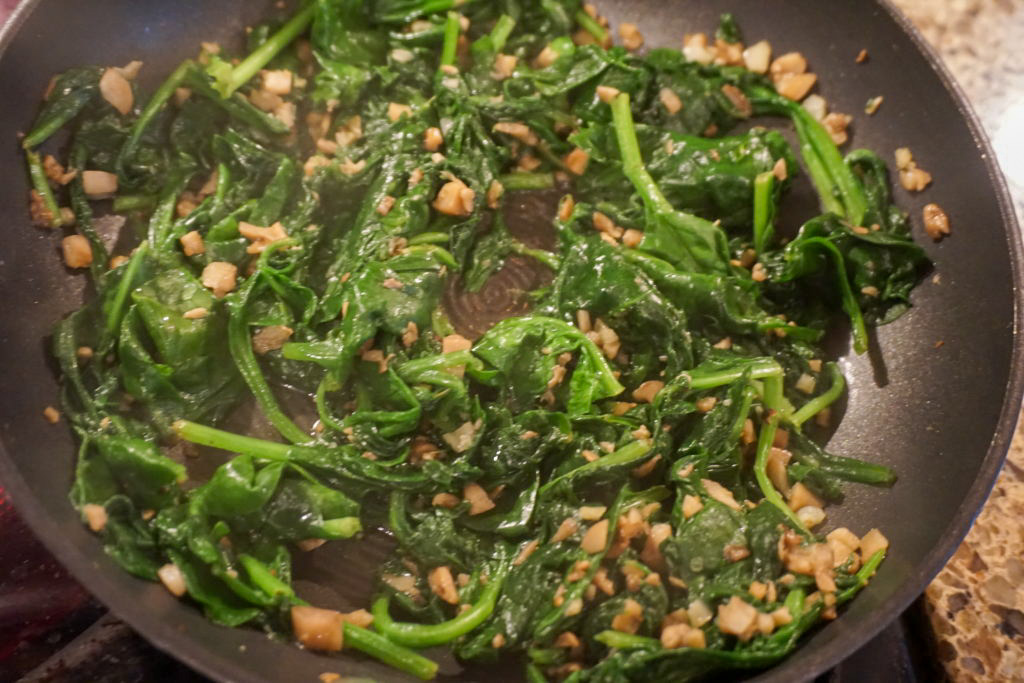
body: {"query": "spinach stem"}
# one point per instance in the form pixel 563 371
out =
pixel 764 210
pixel 124 288
pixel 590 25
pixel 428 635
pixel 627 641
pixel 452 29
pixel 42 185
pixel 392 654
pixel 632 161
pixel 527 181
pixel 227 441
pixel 848 298
pixel 764 446
pixel 262 55
pixel 760 368
pixel 822 401
pixel 152 108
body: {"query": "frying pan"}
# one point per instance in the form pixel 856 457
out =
pixel 941 414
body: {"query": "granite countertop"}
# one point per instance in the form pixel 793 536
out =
pixel 975 604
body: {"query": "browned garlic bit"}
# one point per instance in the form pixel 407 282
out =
pixel 912 178
pixel 318 629
pixel 220 277
pixel 936 222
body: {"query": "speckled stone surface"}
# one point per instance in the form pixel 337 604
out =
pixel 976 604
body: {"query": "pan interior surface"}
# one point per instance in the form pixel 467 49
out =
pixel 928 410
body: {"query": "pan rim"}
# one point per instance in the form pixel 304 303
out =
pixel 178 645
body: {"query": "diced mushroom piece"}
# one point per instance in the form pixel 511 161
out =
pixel 265 101
pixel 592 513
pixel 836 125
pixel 795 86
pixel 196 313
pixel 632 39
pixel 51 415
pixel 455 198
pixel 546 58
pixel 758 56
pixel 277 81
pixel 351 131
pixel 192 243
pixel 706 404
pixel 583 321
pixel 691 506
pixel 95 517
pixel 359 617
pixel 651 552
pixel 349 167
pixel 220 277
pixel 411 334
pixel 525 553
pixel 699 613
pixel 630 618
pixel 445 500
pixel 682 635
pixel 566 529
pixel 789 63
pixel 261 238
pixel 519 131
pixel 462 437
pixel 77 251
pixel 443 584
pixel 646 392
pixel 402 583
pixel 285 113
pixel 99 184
pixel 872 542
pixel 696 49
pixel 270 338
pixel 781 616
pixel 432 139
pixel 576 161
pixel 397 111
pixel 912 178
pixel 172 579
pixel 574 607
pixel 606 93
pixel 778 461
pixel 738 618
pixel 936 222
pixel 632 238
pixel 801 496
pixel 811 516
pixel 720 493
pixel 596 538
pixel 843 543
pixel 738 99
pixel 476 496
pixel 806 383
pixel 504 66
pixel 116 90
pixel 318 629
pixel 816 106
pixel 670 100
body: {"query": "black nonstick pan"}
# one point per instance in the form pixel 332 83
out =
pixel 936 398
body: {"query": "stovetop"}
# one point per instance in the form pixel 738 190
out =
pixel 53 631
